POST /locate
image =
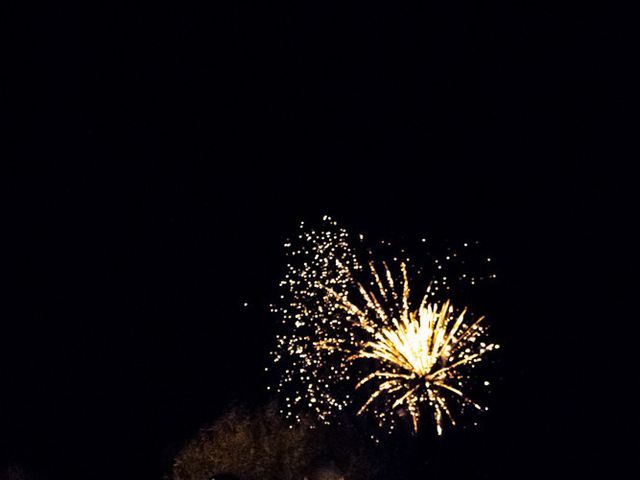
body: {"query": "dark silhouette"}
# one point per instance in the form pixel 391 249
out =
pixel 261 445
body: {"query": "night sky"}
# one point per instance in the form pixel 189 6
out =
pixel 160 156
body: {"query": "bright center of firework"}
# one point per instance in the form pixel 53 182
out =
pixel 416 344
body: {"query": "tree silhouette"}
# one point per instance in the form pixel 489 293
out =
pixel 261 445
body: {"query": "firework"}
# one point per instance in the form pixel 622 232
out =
pixel 364 346
pixel 309 353
pixel 420 356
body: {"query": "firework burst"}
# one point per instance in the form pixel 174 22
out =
pixel 364 346
pixel 420 356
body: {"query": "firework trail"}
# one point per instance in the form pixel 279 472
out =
pixel 349 343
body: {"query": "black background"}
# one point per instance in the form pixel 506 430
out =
pixel 160 155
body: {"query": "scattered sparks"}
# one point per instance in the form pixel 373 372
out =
pixel 364 345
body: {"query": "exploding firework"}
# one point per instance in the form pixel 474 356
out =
pixel 309 353
pixel 355 345
pixel 420 356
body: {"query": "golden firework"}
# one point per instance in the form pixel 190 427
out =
pixel 420 356
pixel 356 339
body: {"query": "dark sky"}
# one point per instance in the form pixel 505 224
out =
pixel 162 154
